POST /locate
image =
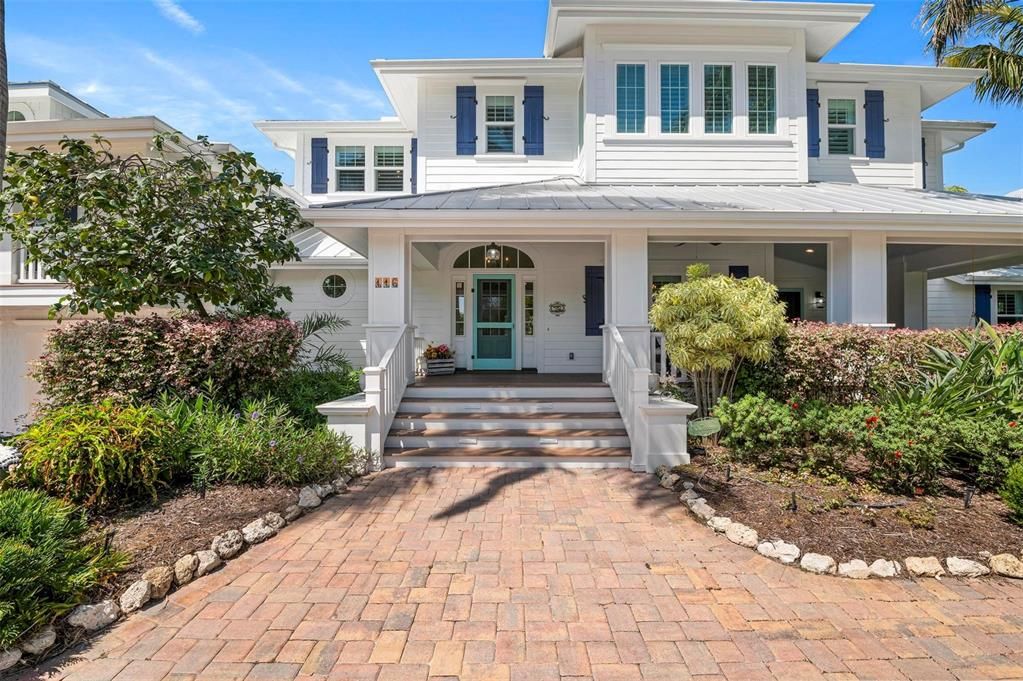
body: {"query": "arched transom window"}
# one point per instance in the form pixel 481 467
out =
pixel 493 257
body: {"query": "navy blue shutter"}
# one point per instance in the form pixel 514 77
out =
pixel 874 104
pixel 319 160
pixel 533 123
pixel 413 158
pixel 594 299
pixel 813 122
pixel 465 120
pixel 923 157
pixel 983 302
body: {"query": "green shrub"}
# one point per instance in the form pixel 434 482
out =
pixel 47 563
pixel 982 448
pixel 303 389
pixel 756 425
pixel 98 455
pixel 906 446
pixel 139 358
pixel 260 443
pixel 1012 490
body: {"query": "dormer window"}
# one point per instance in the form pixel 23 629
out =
pixel 761 89
pixel 630 98
pixel 389 164
pixel 717 99
pixel 841 127
pixel 500 124
pixel 350 168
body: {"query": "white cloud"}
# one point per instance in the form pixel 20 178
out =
pixel 176 13
pixel 364 96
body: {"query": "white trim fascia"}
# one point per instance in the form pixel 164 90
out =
pixel 479 67
pixel 324 263
pixel 379 126
pixel 868 72
pixel 674 47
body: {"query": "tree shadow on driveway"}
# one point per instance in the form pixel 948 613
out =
pixel 495 485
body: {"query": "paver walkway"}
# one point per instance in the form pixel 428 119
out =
pixel 545 574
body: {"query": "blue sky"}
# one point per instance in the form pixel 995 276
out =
pixel 213 66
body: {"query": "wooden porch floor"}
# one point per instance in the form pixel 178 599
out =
pixel 508 378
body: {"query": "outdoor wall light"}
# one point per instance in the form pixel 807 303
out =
pixel 493 251
pixel 818 300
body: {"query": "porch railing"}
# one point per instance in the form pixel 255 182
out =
pixel 660 364
pixel 420 350
pixel 386 382
pixel 29 271
pixel 628 382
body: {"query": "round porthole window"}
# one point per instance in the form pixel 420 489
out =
pixel 335 286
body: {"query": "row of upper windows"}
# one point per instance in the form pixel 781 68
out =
pixel 388 170
pixel 675 101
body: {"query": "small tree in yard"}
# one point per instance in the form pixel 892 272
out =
pixel 188 227
pixel 713 323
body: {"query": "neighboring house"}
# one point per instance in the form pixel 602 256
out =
pixel 42 114
pixel 994 295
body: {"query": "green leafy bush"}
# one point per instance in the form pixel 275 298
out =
pixel 47 563
pixel 139 358
pixel 303 389
pixel 907 447
pixel 1012 490
pixel 982 448
pixel 756 425
pixel 260 443
pixel 98 455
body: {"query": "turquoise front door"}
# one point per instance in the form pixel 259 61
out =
pixel 494 322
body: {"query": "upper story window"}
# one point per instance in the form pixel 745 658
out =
pixel 717 98
pixel 674 98
pixel 15 116
pixel 500 122
pixel 389 164
pixel 350 164
pixel 762 96
pixel 1010 307
pixel 630 98
pixel 841 127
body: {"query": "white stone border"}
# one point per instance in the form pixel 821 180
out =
pixel 1004 564
pixel 159 581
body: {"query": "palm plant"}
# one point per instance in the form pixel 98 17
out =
pixel 317 352
pixel 996 28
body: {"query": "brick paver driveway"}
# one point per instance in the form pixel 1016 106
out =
pixel 545 574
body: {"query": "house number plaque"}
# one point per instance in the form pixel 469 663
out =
pixel 557 308
pixel 386 282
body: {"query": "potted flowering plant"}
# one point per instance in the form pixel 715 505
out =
pixel 440 359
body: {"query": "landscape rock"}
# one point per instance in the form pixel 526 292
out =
pixel 293 512
pixel 9 658
pixel 208 561
pixel 719 523
pixel 779 550
pixel 93 617
pixel 670 480
pixel 963 567
pixel 40 641
pixel 1007 565
pixel 161 578
pixel 308 497
pixel 740 534
pixel 885 568
pixel 228 544
pixel 702 510
pixel 854 569
pixel 257 532
pixel 275 520
pixel 662 470
pixel 924 567
pixel 184 568
pixel 818 563
pixel 340 485
pixel 135 596
pixel 688 485
pixel 688 495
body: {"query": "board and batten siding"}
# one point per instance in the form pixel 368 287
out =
pixel 308 298
pixel 949 305
pixel 443 169
pixel 696 157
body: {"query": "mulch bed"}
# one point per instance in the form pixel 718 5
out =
pixel 826 519
pixel 184 522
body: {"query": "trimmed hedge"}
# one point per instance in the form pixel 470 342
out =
pixel 139 358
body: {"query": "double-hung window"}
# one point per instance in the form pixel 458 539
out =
pixel 389 162
pixel 718 105
pixel 674 98
pixel 500 122
pixel 841 127
pixel 350 164
pixel 630 98
pixel 1009 307
pixel 762 95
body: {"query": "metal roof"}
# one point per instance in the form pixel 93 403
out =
pixel 569 194
pixel 1002 275
pixel 315 246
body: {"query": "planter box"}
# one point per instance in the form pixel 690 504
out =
pixel 440 367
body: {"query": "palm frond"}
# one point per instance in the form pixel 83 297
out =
pixel 946 22
pixel 1003 82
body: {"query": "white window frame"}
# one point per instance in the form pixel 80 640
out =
pixel 402 167
pixel 367 180
pixel 692 102
pixel 647 119
pixel 858 129
pixel 1018 318
pixel 735 101
pixel 777 101
pixel 513 88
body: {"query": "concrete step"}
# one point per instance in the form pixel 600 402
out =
pixel 437 421
pixel 511 391
pixel 604 457
pixel 506 405
pixel 473 439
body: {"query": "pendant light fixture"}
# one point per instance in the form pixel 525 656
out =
pixel 493 252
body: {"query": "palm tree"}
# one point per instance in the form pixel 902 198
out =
pixel 996 28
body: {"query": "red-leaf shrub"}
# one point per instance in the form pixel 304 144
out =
pixel 138 358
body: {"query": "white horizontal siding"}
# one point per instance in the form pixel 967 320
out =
pixel 949 305
pixel 308 298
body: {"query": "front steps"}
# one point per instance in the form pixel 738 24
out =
pixel 570 425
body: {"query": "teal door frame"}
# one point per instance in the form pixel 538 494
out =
pixel 501 363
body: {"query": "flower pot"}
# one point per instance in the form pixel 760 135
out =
pixel 440 367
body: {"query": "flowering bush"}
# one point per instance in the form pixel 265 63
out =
pixel 138 358
pixel 906 447
pixel 438 352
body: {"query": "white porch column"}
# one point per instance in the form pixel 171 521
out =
pixel 389 307
pixel 858 279
pixel 628 291
pixel 7 264
pixel 914 300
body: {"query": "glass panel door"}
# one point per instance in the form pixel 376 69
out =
pixel 493 325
